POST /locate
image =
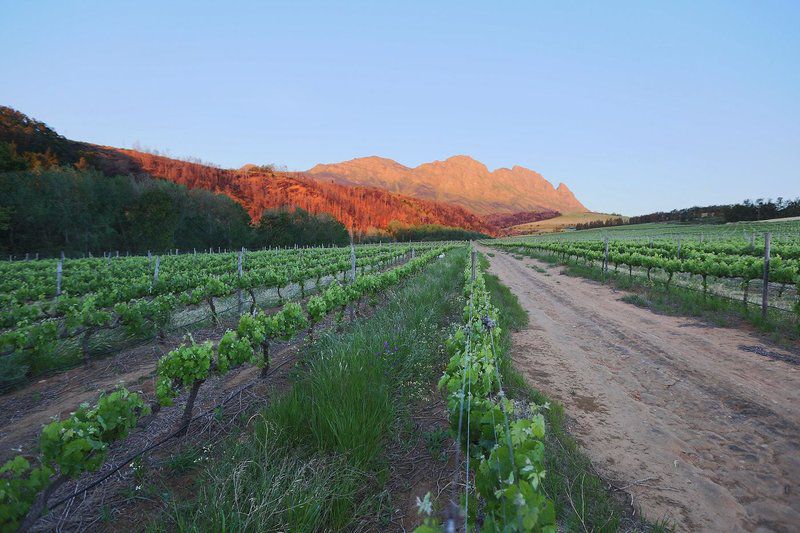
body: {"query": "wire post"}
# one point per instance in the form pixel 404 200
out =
pixel 59 269
pixel 239 309
pixel 765 293
pixel 352 262
pixel 352 274
pixel 474 265
pixel 605 258
pixel 155 272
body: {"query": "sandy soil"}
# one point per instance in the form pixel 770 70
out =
pixel 699 428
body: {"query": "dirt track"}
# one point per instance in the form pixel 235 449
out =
pixel 696 429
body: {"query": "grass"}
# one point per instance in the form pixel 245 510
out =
pixel 185 460
pixel 582 499
pixel 436 442
pixel 539 269
pixel 780 326
pixel 314 459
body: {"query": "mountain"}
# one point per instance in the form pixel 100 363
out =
pixel 260 188
pixel 256 188
pixel 459 180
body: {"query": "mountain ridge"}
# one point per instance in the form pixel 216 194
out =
pixel 460 180
pixel 256 188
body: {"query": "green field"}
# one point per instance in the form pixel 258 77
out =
pixel 784 230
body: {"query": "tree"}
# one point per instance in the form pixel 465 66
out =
pixel 153 218
pixel 10 160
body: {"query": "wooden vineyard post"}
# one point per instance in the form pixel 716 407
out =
pixel 155 272
pixel 474 265
pixel 352 263
pixel 59 269
pixel 352 275
pixel 239 270
pixel 679 247
pixel 765 292
pixel 605 258
pixel 752 242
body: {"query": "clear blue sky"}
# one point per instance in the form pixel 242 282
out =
pixel 637 106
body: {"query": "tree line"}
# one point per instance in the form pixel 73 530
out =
pixel 46 208
pixel 748 210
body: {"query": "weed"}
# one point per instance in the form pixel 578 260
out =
pixel 106 513
pixel 184 460
pixel 436 443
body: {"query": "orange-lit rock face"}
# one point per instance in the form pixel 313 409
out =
pixel 362 208
pixel 459 180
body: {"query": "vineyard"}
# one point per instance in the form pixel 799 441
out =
pixel 287 371
pixel 781 229
pixel 65 316
pixel 57 314
pixel 760 270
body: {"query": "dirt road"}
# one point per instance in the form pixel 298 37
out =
pixel 699 431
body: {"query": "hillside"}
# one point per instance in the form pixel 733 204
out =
pixel 255 188
pixel 364 208
pixel 459 180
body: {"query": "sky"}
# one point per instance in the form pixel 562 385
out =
pixel 636 106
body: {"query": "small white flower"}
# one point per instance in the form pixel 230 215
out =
pixel 424 505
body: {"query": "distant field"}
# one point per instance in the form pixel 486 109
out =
pixel 568 220
pixel 787 229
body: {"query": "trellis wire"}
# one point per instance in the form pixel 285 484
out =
pixel 467 355
pixel 502 395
